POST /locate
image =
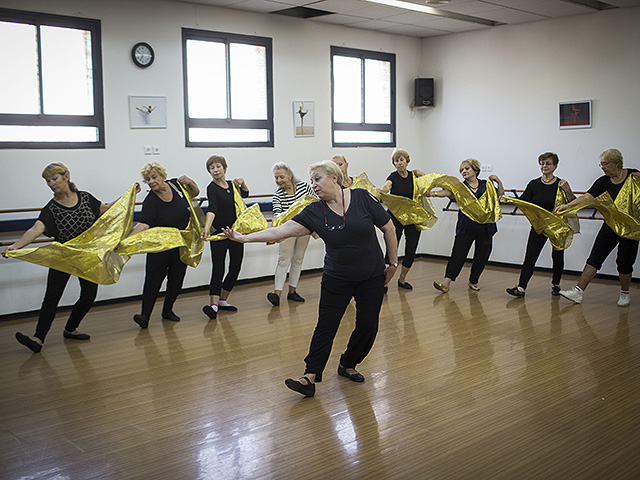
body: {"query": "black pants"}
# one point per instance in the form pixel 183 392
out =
pixel 56 283
pixel 411 239
pixel 335 296
pixel 219 251
pixel 461 246
pixel 534 247
pixel 160 265
pixel 605 242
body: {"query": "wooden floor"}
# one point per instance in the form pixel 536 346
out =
pixel 461 385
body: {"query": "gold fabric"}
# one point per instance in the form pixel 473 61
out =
pixel 362 181
pixel 92 254
pixel 293 210
pixel 623 214
pixel 559 229
pixel 160 239
pixel 248 220
pixel 416 211
pixel 485 209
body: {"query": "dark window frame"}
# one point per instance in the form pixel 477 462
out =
pixel 267 124
pixel 96 120
pixel 363 126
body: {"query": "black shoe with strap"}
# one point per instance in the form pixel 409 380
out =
pixel 307 389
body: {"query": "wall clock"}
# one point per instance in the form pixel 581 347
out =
pixel 142 54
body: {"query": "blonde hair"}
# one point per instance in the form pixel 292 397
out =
pixel 286 168
pixel 328 167
pixel 153 167
pixel 340 157
pixel 473 163
pixel 399 153
pixel 612 155
pixel 217 159
pixel 58 168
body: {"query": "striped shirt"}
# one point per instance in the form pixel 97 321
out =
pixel 282 200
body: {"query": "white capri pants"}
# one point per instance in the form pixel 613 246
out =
pixel 291 252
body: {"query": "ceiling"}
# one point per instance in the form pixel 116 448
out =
pixel 453 17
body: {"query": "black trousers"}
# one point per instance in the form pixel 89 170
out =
pixel 534 247
pixel 411 239
pixel 219 251
pixel 56 283
pixel 461 246
pixel 160 266
pixel 335 296
pixel 605 242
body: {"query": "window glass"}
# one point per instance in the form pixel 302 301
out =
pixel 248 82
pixel 347 84
pixel 207 81
pixel 23 58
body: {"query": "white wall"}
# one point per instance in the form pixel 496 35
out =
pixel 301 72
pixel 497 94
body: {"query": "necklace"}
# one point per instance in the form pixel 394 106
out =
pixel 553 179
pixel 331 228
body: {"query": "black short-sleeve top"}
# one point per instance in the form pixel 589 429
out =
pixel 222 204
pixel 466 225
pixel 158 213
pixel 403 187
pixel 352 253
pixel 604 184
pixel 541 194
pixel 64 223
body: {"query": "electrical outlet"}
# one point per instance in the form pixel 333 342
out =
pixel 148 149
pixel 156 150
pixel 483 168
pixel 489 168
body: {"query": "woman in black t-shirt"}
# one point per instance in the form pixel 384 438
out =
pixel 222 213
pixel 353 268
pixel 542 192
pixel 612 181
pixel 67 215
pixel 164 206
pixel 400 183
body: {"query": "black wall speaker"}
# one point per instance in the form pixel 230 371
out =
pixel 424 92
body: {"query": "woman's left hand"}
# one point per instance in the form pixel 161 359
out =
pixel 138 189
pixel 389 272
pixel 239 182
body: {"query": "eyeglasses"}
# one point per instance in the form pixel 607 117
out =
pixel 331 228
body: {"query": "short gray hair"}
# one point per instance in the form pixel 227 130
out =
pixel 286 168
pixel 328 167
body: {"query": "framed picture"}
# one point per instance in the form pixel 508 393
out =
pixel 303 119
pixel 147 112
pixel 575 114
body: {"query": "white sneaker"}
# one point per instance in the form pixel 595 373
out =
pixel 574 295
pixel 624 299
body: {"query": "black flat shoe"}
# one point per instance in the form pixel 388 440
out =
pixel 172 317
pixel 210 312
pixel 228 308
pixel 405 285
pixel 34 346
pixel 294 297
pixel 308 390
pixel 273 298
pixel 515 291
pixel 354 377
pixel 76 336
pixel 141 320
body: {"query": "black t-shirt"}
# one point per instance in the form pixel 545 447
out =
pixel 604 184
pixel 64 223
pixel 352 253
pixel 157 213
pixel 222 204
pixel 403 187
pixel 466 225
pixel 541 194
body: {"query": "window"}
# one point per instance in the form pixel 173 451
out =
pixel 227 89
pixel 51 84
pixel 363 98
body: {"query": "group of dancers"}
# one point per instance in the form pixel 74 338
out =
pixel 341 210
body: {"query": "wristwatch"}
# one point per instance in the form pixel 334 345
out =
pixel 393 265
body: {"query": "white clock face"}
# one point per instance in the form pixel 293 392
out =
pixel 143 55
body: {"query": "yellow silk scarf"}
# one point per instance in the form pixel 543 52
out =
pixel 623 214
pixel 416 211
pixel 558 228
pixel 160 239
pixel 92 254
pixel 485 209
pixel 362 181
pixel 248 220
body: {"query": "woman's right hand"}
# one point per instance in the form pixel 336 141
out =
pixel 8 249
pixel 231 234
pixel 561 208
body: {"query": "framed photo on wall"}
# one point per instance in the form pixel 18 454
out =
pixel 147 111
pixel 303 119
pixel 575 114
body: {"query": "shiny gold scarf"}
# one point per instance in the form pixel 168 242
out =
pixel 416 211
pixel 362 181
pixel 485 209
pixel 248 220
pixel 559 229
pixel 623 214
pixel 92 254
